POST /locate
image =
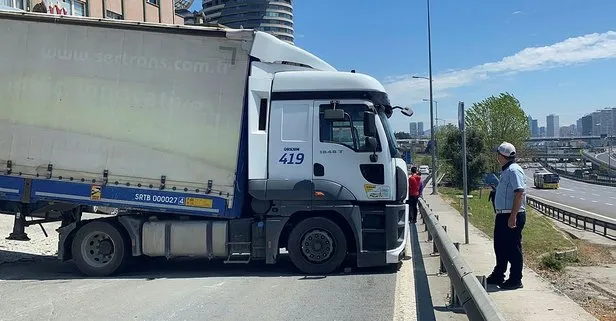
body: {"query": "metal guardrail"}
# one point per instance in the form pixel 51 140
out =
pixel 562 173
pixel 471 294
pixel 596 225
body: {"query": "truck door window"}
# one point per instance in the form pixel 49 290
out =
pixel 349 132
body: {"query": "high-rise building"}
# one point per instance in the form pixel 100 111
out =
pixel 596 123
pixel 272 16
pixel 607 118
pixel 416 129
pixel 542 131
pixel 162 11
pixel 587 125
pixel 568 131
pixel 552 126
pixel 533 127
pixel 413 129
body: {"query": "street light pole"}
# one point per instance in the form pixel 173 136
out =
pixel 435 131
pixel 432 137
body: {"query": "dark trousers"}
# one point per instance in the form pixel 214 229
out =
pixel 413 209
pixel 508 247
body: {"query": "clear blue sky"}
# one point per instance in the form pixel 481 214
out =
pixel 573 74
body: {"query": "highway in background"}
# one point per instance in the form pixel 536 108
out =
pixel 574 195
pixel 603 157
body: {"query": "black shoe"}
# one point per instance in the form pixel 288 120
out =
pixel 511 285
pixel 493 280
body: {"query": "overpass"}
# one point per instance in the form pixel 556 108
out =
pixel 555 152
pixel 565 139
pixel 599 162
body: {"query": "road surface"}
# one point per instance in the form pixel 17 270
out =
pixel 38 287
pixel 602 157
pixel 592 198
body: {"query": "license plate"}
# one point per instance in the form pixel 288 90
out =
pixel 199 202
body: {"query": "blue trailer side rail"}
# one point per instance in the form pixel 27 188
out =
pixel 34 190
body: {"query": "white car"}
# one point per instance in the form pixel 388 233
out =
pixel 424 169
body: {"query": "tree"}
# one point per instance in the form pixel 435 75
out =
pixel 451 152
pixel 499 119
pixel 402 135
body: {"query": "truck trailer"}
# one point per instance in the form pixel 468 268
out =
pixel 211 143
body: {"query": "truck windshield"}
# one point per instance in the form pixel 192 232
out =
pixel 391 138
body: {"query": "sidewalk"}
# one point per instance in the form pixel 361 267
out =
pixel 538 300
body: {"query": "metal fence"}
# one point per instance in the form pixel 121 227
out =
pixel 598 181
pixel 470 293
pixel 600 226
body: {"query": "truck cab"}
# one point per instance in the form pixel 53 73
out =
pixel 331 155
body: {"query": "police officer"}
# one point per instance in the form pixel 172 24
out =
pixel 509 204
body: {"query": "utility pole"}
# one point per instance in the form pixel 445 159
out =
pixel 462 126
pixel 432 136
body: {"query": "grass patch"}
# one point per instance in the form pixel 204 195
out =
pixel 539 236
pixel 422 159
pixel 590 254
pixel 555 262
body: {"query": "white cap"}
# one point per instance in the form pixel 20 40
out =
pixel 506 149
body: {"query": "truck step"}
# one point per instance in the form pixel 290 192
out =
pixel 234 258
pixel 239 252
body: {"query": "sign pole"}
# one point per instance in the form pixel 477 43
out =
pixel 464 168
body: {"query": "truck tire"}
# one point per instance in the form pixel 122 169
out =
pixel 317 246
pixel 99 249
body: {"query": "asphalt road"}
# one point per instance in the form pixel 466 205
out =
pixel 604 158
pixel 44 289
pixel 592 198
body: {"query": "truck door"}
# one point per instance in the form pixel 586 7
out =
pixel 290 150
pixel 341 157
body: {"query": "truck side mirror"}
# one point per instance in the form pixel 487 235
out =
pixel 369 125
pixel 371 145
pixel 334 114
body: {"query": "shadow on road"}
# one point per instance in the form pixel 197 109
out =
pixel 22 266
pixel 423 298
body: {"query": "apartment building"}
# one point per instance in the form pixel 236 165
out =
pixel 161 11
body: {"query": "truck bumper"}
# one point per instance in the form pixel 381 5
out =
pixel 395 255
pixel 402 232
pixel 396 231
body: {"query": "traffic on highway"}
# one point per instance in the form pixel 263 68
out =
pixel 576 196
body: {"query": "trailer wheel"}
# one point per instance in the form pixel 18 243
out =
pixel 317 246
pixel 99 249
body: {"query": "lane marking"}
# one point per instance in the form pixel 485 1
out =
pixel 595 201
pixel 609 204
pixel 596 195
pixel 583 199
pixel 576 209
pixel 405 306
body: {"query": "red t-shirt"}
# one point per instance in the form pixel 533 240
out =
pixel 414 181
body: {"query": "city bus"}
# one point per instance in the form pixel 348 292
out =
pixel 544 179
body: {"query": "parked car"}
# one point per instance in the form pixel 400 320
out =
pixel 424 169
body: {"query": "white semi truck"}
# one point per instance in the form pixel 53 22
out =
pixel 211 142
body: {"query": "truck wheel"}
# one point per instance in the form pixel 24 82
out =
pixel 317 246
pixel 99 249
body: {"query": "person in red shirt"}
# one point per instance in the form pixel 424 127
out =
pixel 414 186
